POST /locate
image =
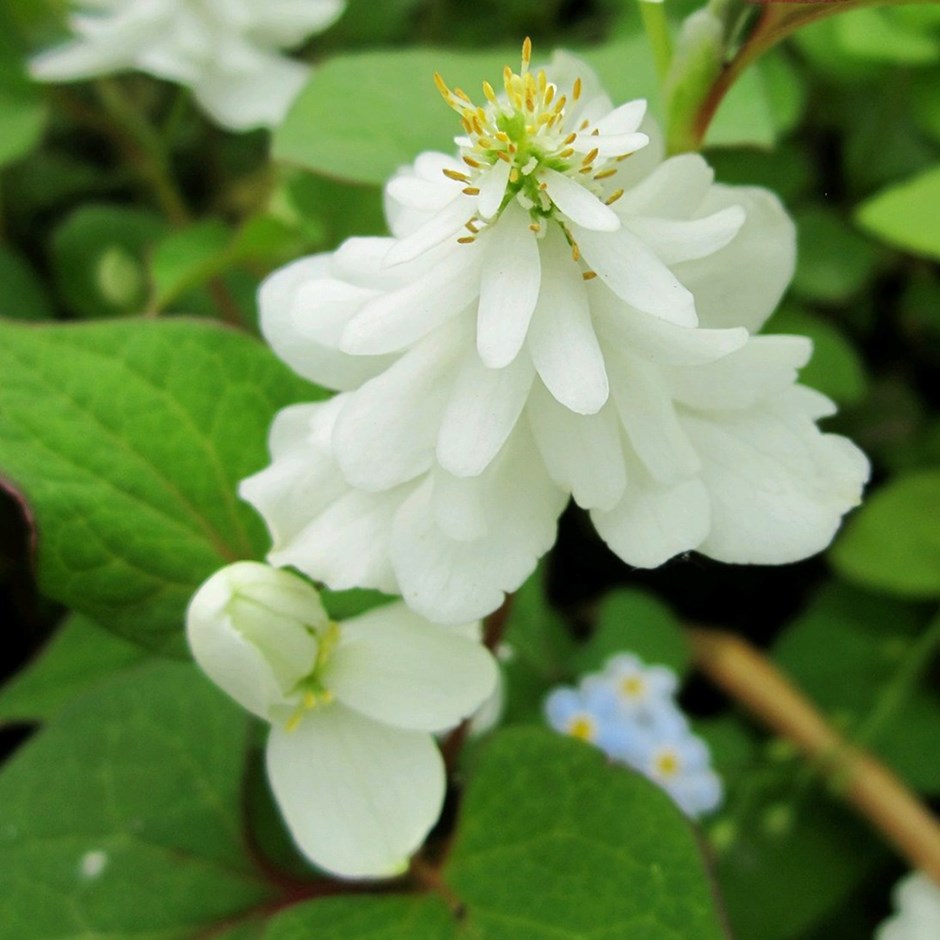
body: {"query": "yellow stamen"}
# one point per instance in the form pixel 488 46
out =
pixel 589 275
pixel 589 157
pixel 613 197
pixel 582 728
pixel 471 191
pixel 606 174
pixel 526 53
pixel 576 91
pixel 455 175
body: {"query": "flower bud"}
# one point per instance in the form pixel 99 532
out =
pixel 253 630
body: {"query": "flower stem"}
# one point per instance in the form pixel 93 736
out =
pixel 657 33
pixel 875 791
pixel 148 153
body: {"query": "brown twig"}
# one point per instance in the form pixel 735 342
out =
pixel 875 791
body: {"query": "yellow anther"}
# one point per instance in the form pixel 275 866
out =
pixel 526 53
pixel 589 158
pixel 560 104
pixel 514 175
pixel 606 174
pixel 466 240
pixel 549 94
pixel 471 191
pixel 587 169
pixel 471 227
pixel 632 686
pixel 455 175
pixel 589 275
pixel 504 156
pixel 624 156
pixel 570 139
pixel 474 163
pixel 667 763
pixel 462 95
pixel 575 252
pixel 490 94
pixel 535 227
pixel 613 197
pixel 583 124
pixel 576 91
pixel 442 88
pixel 567 152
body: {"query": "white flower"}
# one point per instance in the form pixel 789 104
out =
pixel 917 901
pixel 547 320
pixel 226 51
pixel 353 706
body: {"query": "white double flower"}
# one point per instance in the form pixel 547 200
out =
pixel 351 758
pixel 227 51
pixel 560 311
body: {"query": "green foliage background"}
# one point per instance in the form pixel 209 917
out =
pixel 134 393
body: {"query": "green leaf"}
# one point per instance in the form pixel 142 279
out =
pixel 787 864
pixel 122 817
pixel 189 257
pixel 415 917
pixel 98 259
pixel 905 215
pixel 128 439
pixel 396 112
pixel 22 294
pixel 834 262
pixel 893 542
pixel 858 656
pixel 554 841
pixel 79 657
pixel 836 368
pixel 632 621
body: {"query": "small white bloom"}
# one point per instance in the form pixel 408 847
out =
pixel 561 312
pixel 226 51
pixel 353 706
pixel 917 902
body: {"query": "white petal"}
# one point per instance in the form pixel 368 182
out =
pixel 387 430
pixel 778 487
pixel 492 186
pixel 459 506
pixel 619 325
pixel 302 478
pixel 673 190
pixel 654 522
pixel 260 97
pixel 741 284
pixel 765 366
pixel 395 320
pixel 610 145
pixel 636 275
pixel 649 419
pixel 578 203
pixel 452 581
pixel 675 240
pixel 358 797
pixel 482 411
pixel 561 338
pixel 624 119
pixel 79 60
pixel 583 453
pixel 509 289
pixel 345 545
pixel 441 226
pixel 295 327
pixel 395 667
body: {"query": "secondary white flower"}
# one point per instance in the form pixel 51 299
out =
pixel 917 901
pixel 226 51
pixel 548 319
pixel 353 706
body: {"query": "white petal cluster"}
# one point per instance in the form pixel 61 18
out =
pixel 559 312
pixel 917 904
pixel 227 51
pixel 353 708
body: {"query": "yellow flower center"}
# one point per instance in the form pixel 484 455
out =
pixel 528 129
pixel 582 727
pixel 633 687
pixel 667 764
pixel 311 689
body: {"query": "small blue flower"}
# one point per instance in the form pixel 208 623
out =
pixel 628 710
